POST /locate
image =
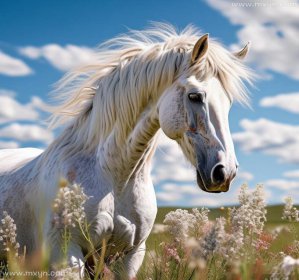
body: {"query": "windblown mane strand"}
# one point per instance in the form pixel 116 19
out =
pixel 122 70
pixel 79 85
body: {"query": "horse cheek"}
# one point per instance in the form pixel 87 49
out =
pixel 171 117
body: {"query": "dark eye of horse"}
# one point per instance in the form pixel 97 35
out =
pixel 197 97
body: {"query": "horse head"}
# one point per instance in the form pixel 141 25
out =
pixel 194 112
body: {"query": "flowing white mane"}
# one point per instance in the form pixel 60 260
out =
pixel 129 69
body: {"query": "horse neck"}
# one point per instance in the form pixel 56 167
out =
pixel 128 148
pixel 132 159
pixel 121 126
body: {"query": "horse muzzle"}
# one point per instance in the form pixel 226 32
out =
pixel 219 179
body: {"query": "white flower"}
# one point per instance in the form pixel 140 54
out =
pixel 183 224
pixel 215 239
pixel 290 212
pixel 251 214
pixel 8 235
pixel 220 238
pixel 68 206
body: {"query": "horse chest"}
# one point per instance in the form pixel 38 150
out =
pixel 123 217
pixel 135 212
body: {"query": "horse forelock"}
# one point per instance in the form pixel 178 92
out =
pixel 115 84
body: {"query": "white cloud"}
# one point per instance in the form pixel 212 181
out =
pixel 12 110
pixel 215 200
pixel 170 163
pixel 282 184
pixel 168 197
pixel 175 177
pixel 278 139
pixel 14 67
pixel 26 132
pixel 39 104
pixel 7 92
pixel 62 58
pixel 291 174
pixel 174 193
pixel 272 27
pixel 181 189
pixel 8 145
pixel 244 176
pixel 286 101
pixel 28 114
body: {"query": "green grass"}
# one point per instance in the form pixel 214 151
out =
pixel 274 213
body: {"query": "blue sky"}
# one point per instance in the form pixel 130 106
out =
pixel 41 40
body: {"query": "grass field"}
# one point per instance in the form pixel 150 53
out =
pixel 274 214
pixel 278 245
pixel 248 241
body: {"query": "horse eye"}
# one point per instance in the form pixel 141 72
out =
pixel 197 97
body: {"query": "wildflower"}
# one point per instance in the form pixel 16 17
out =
pixel 171 252
pixel 178 223
pixel 290 213
pixel 278 230
pixel 200 215
pixel 293 248
pixel 68 206
pixel 227 244
pixel 250 215
pixel 234 243
pixel 182 224
pixel 264 241
pixel 107 273
pixel 200 221
pixel 252 211
pixel 213 240
pixel 285 268
pixel 8 235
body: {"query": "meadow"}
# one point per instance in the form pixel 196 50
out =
pixel 281 246
pixel 247 241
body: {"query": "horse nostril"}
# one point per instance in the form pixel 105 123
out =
pixel 218 174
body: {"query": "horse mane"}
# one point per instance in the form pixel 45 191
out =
pixel 114 76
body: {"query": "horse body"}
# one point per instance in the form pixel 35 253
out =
pixel 114 118
pixel 125 217
pixel 120 209
pixel 16 181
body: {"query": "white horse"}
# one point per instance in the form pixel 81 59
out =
pixel 112 110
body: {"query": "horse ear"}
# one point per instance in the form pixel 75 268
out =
pixel 200 49
pixel 242 53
